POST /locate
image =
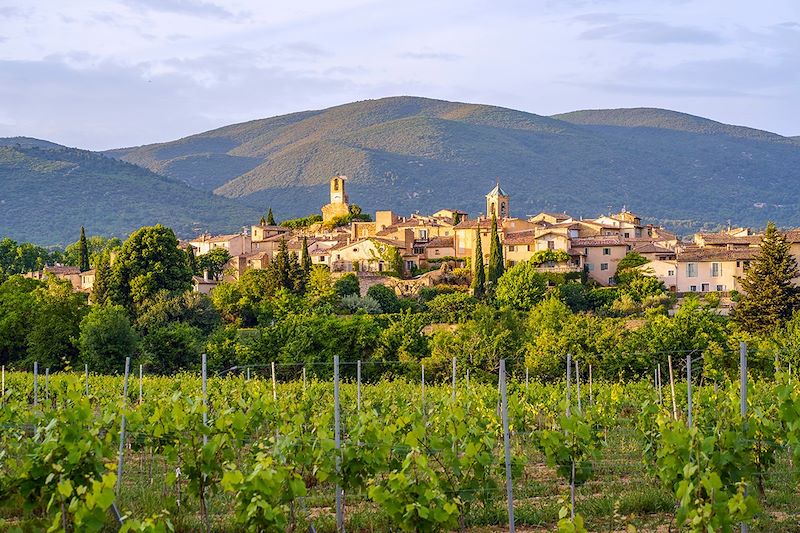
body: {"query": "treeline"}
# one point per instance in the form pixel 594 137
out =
pixel 297 315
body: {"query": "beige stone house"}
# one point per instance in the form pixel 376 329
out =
pixel 600 256
pixel 235 244
pixel 67 273
pixel 368 255
pixel 711 269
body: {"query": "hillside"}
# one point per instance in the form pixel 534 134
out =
pixel 47 192
pixel 408 154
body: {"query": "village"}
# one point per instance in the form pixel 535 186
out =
pixel 425 245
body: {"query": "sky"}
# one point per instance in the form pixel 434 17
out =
pixel 101 74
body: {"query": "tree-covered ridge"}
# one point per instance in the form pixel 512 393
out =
pixel 404 153
pixel 47 193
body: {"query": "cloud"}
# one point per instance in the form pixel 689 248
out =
pixel 183 7
pixel 435 56
pixel 650 32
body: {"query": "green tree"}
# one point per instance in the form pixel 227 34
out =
pixel 102 280
pixel 495 268
pixel 191 260
pixel 83 252
pixel 626 268
pixel 214 262
pixel 320 290
pixel 270 218
pixel 521 287
pixel 17 307
pixel 386 297
pixel 478 275
pixel 54 328
pixel 148 262
pixel 172 347
pixel 770 297
pixel 454 307
pixel 286 269
pixel 191 308
pixel 106 339
pixel 305 259
pixel 347 285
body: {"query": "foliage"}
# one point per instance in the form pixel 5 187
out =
pixel 549 256
pixel 17 305
pixel 171 347
pixel 213 262
pixel 478 275
pixel 494 269
pixel 769 294
pixel 354 303
pixel 53 329
pixel 347 285
pixel 521 287
pixel 297 223
pixel 626 268
pixel 270 218
pixel 18 258
pixel 386 298
pixel 148 262
pixel 83 252
pixel 106 339
pixel 452 307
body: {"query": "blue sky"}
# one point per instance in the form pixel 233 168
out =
pixel 101 73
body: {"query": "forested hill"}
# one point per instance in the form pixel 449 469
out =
pixel 48 191
pixel 409 154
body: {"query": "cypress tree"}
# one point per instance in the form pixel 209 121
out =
pixel 306 258
pixel 478 275
pixel 83 252
pixel 769 297
pixel 495 269
pixel 282 265
pixel 262 222
pixel 270 218
pixel 101 280
pixel 191 260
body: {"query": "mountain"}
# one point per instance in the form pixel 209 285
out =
pixel 48 191
pixel 409 153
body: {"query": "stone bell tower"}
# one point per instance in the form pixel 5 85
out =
pixel 338 205
pixel 497 203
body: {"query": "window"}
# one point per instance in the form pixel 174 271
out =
pixel 670 273
pixel 691 270
pixel 721 288
pixel 423 234
pixel 627 235
pixel 705 287
pixel 510 247
pixel 528 248
pixel 335 185
pixel 590 267
pixel 355 249
pixel 716 270
pixel 436 252
pixel 338 257
pixel 512 263
pixel 606 251
pixel 551 245
pixel 693 288
pixel 603 266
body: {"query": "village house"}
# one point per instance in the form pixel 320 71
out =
pixel 67 273
pixel 600 256
pixel 711 269
pixel 235 244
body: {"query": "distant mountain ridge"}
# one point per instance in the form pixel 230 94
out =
pixel 410 153
pixel 48 191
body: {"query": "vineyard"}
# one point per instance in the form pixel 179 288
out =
pixel 266 449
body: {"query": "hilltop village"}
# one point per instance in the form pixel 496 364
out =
pixel 419 246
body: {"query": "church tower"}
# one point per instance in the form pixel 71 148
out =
pixel 338 195
pixel 497 203
pixel 338 205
